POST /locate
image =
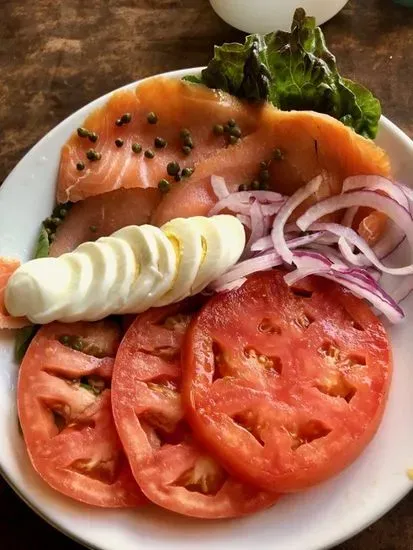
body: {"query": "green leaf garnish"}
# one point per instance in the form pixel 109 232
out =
pixel 292 70
pixel 42 246
pixel 192 78
pixel 22 341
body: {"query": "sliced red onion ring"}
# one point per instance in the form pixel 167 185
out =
pixel 400 215
pixel 260 263
pixel 257 227
pixel 219 187
pixel 231 286
pixel 265 243
pixel 240 202
pixel 271 209
pixel 349 216
pixel 390 241
pixel 359 281
pixel 376 183
pixel 406 190
pixel 330 253
pixel 348 235
pixel 285 212
pixel 398 290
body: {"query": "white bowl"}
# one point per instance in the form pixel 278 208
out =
pixel 264 16
pixel 316 519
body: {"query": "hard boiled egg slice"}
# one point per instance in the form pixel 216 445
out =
pixel 186 240
pixel 145 250
pixel 125 276
pixel 219 253
pixel 83 273
pixel 104 262
pixel 233 235
pixel 37 290
pixel 167 266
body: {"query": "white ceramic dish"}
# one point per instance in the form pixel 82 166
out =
pixel 266 15
pixel 314 520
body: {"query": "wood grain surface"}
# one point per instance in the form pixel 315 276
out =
pixel 57 55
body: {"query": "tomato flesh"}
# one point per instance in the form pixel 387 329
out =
pixel 286 386
pixel 64 404
pixel 172 469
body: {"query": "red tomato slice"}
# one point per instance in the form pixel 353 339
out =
pixel 171 468
pixel 286 386
pixel 64 406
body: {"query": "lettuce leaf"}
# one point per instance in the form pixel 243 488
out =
pixel 42 245
pixel 292 70
pixel 22 341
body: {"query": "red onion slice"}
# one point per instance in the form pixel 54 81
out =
pixel 219 187
pixel 241 201
pixel 406 190
pixel 376 183
pixel 233 285
pixel 271 209
pixel 398 290
pixel 359 281
pixel 372 199
pixel 348 235
pixel 263 244
pixel 257 227
pixel 260 263
pixel 285 212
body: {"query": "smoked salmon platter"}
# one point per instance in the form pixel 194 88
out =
pixel 206 308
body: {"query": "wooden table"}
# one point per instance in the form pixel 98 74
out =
pixel 57 55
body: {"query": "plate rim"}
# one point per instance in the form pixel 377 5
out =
pixel 178 73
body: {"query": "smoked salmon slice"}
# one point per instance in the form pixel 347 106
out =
pixel 7 267
pixel 301 144
pixel 102 215
pixel 177 106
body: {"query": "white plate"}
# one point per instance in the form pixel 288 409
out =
pixel 317 519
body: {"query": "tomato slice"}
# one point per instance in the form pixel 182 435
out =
pixel 64 404
pixel 286 386
pixel 172 469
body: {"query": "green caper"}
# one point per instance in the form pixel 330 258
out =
pixel 160 143
pixel 126 118
pixel 93 137
pixel 187 172
pixel 264 175
pixel 164 186
pixel 188 142
pixel 149 154
pixel 255 185
pixel 173 168
pixel 184 133
pixel 236 131
pixel 278 154
pixel 218 129
pixel 82 132
pixel 152 118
